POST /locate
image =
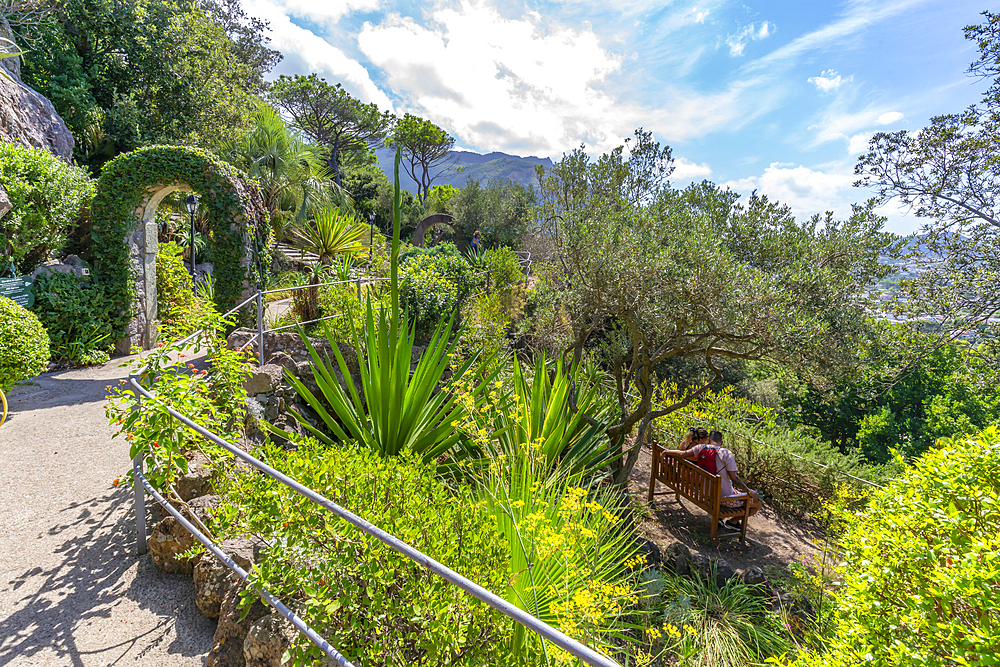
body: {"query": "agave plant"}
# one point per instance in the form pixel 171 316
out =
pixel 329 234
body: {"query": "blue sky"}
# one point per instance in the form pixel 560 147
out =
pixel 777 96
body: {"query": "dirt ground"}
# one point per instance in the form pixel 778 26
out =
pixel 772 540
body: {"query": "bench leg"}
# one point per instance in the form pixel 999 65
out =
pixel 652 478
pixel 715 524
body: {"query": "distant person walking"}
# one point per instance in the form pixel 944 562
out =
pixel 477 241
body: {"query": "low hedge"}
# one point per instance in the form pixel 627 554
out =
pixel 24 344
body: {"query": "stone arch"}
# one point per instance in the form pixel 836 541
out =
pixel 426 224
pixel 124 231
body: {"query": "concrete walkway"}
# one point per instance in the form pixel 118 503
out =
pixel 72 589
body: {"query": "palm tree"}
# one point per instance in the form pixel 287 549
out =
pixel 292 174
pixel 331 233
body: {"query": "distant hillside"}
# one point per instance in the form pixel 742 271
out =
pixel 468 165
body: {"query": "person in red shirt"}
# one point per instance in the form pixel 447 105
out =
pixel 726 469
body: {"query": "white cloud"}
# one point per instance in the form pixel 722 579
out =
pixel 700 15
pixel 744 35
pixel 514 84
pixel 326 11
pixel 889 117
pixel 806 190
pixel 828 80
pixel 685 169
pixel 858 144
pixel 305 52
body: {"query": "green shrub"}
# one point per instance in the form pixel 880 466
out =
pixel 47 197
pixel 503 266
pixel 430 285
pixel 921 566
pixel 374 605
pixel 341 300
pixel 77 315
pixel 24 344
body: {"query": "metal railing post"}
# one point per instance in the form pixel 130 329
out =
pixel 260 328
pixel 139 493
pixel 359 289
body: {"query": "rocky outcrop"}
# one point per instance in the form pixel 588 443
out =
pixel 213 578
pixel 72 264
pixel 5 204
pixel 26 117
pixel 267 640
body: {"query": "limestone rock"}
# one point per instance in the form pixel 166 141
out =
pixel 5 205
pixel 203 506
pixel 197 481
pixel 167 539
pixel 231 631
pixel 677 557
pixel 267 640
pixel 29 119
pixel 12 66
pixel 55 266
pixel 212 580
pixel 264 380
pixel 283 360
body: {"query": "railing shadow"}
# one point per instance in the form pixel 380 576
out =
pixel 91 578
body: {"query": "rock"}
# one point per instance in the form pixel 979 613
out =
pixel 55 266
pixel 12 66
pixel 203 506
pixel 213 578
pixel 723 572
pixel 754 576
pixel 283 360
pixel 651 551
pixel 677 557
pixel 73 260
pixel 231 631
pixel 167 539
pixel 291 345
pixel 264 380
pixel 197 481
pixel 267 640
pixel 702 566
pixel 5 205
pixel 26 117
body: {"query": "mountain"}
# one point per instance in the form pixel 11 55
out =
pixel 466 165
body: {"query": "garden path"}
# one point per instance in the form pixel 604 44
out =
pixel 72 589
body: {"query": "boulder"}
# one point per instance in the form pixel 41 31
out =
pixel 701 565
pixel 167 539
pixel 754 576
pixel 73 260
pixel 723 572
pixel 267 640
pixel 26 117
pixel 55 266
pixel 283 360
pixel 197 481
pixel 677 558
pixel 232 630
pixel 652 552
pixel 264 380
pixel 203 506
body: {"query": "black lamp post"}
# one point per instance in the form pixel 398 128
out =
pixel 192 207
pixel 371 236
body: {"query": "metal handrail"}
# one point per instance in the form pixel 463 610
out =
pixel 572 646
pixel 301 625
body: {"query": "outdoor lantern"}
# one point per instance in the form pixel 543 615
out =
pixel 192 207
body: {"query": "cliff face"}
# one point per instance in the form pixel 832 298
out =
pixel 26 117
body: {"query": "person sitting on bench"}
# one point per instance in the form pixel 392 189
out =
pixel 718 460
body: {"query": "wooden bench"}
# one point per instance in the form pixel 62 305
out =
pixel 699 486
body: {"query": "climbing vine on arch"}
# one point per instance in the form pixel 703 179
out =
pixel 232 206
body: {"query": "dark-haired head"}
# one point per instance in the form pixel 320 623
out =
pixel 715 437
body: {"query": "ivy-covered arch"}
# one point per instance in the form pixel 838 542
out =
pixel 123 233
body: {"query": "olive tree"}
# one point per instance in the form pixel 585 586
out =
pixel 697 273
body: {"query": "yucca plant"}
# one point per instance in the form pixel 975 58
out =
pixel 330 234
pixel 539 413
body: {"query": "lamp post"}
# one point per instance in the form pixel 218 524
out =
pixel 192 207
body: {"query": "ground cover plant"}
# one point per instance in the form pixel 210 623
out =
pixel 75 313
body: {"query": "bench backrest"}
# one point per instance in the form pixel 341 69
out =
pixel 691 481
